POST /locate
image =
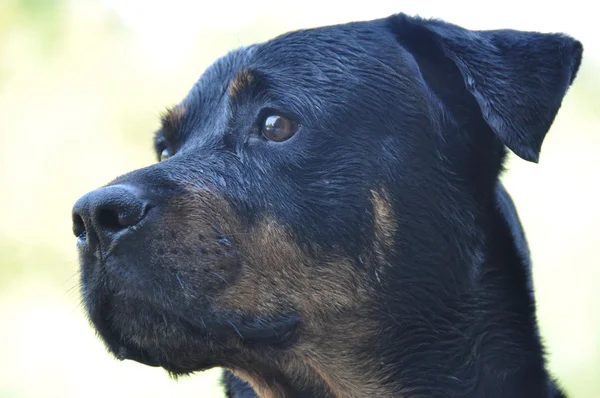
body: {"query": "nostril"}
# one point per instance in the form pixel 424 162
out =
pixel 78 226
pixel 108 219
pixel 119 215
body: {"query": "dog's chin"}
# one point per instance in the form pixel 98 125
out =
pixel 123 352
pixel 136 331
pixel 154 356
pixel 140 330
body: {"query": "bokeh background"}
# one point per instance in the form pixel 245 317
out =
pixel 82 83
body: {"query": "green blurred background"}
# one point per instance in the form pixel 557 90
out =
pixel 81 86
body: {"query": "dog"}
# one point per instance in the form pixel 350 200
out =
pixel 326 217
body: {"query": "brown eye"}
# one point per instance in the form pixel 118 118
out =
pixel 164 155
pixel 278 128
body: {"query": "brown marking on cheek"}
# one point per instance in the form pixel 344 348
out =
pixel 192 242
pixel 384 221
pixel 242 80
pixel 201 207
pixel 276 273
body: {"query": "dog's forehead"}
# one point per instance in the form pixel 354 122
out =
pixel 323 52
pixel 323 74
pixel 328 52
pixel 212 85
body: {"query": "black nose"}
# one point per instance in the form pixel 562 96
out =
pixel 103 213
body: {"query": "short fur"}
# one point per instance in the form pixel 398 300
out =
pixel 373 254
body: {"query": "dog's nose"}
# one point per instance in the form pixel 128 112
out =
pixel 105 212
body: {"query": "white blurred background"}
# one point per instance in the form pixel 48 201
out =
pixel 82 83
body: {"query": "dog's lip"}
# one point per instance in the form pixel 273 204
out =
pixel 275 331
pixel 137 355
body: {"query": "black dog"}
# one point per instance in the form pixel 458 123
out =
pixel 327 219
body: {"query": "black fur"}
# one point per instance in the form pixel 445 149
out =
pixel 420 109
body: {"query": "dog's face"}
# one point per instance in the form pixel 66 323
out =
pixel 298 180
pixel 271 199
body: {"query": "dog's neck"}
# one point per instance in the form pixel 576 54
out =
pixel 422 339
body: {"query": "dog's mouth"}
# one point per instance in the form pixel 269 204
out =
pixel 203 349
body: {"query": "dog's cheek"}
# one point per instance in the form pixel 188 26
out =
pixel 277 276
pixel 200 261
pixel 188 257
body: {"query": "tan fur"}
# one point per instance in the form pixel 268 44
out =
pixel 274 272
pixel 385 223
pixel 277 270
pixel 330 352
pixel 242 80
pixel 259 387
pixel 174 115
pixel 171 121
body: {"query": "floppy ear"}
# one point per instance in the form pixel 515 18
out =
pixel 518 79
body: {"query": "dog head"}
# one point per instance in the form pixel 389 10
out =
pixel 308 181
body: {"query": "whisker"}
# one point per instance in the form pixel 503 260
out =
pixel 236 329
pixel 179 280
pixel 239 234
pixel 70 278
pixel 221 277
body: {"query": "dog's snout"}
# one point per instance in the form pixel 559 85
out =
pixel 106 211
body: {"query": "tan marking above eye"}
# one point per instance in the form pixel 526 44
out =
pixel 243 79
pixel 173 116
pixel 279 128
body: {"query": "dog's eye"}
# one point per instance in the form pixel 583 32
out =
pixel 164 155
pixel 278 128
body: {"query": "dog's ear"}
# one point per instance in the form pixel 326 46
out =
pixel 518 79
